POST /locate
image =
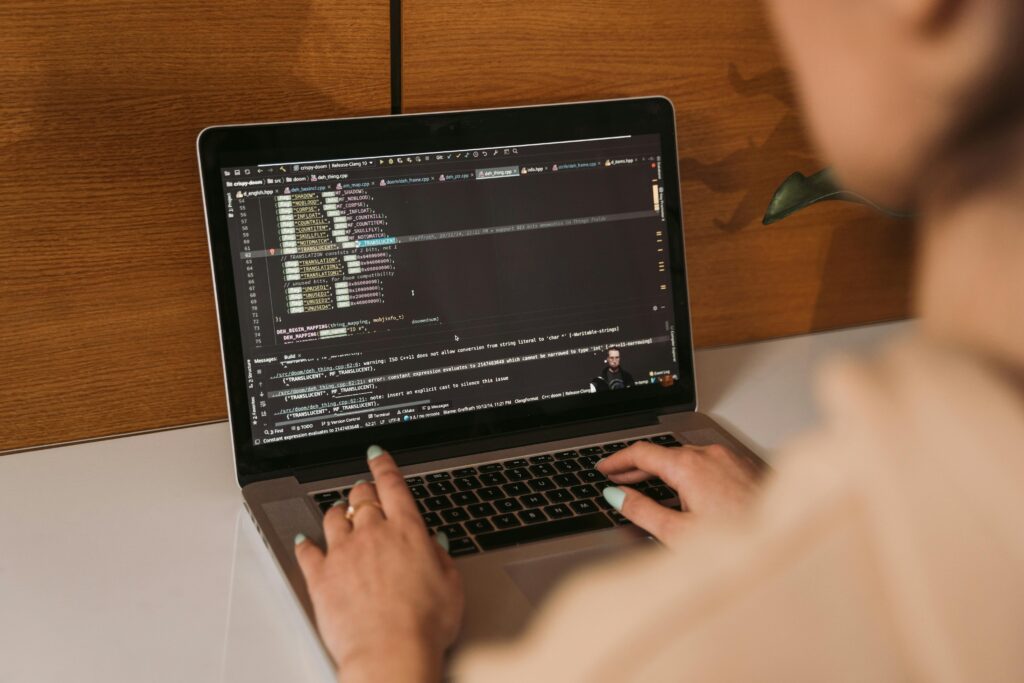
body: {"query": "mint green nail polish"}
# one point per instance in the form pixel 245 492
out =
pixel 442 540
pixel 373 451
pixel 299 538
pixel 615 496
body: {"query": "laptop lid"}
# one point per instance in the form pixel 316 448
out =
pixel 425 279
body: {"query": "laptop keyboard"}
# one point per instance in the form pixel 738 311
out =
pixel 520 500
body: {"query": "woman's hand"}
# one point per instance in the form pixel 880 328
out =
pixel 710 480
pixel 387 598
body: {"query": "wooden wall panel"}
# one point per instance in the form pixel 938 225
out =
pixel 739 131
pixel 106 309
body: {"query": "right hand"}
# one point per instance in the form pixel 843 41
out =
pixel 710 481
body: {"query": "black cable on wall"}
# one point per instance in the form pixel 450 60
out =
pixel 396 56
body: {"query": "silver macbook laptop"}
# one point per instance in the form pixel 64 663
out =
pixel 498 297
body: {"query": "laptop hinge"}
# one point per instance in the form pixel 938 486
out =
pixel 452 449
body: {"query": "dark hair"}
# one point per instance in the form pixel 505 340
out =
pixel 613 348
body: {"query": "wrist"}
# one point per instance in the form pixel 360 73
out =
pixel 400 660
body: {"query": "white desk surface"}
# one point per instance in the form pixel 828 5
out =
pixel 130 559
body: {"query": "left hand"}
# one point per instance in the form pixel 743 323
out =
pixel 387 598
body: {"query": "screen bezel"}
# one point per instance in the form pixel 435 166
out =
pixel 297 142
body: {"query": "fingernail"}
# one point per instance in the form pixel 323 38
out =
pixel 361 481
pixel 373 451
pixel 442 540
pixel 615 496
pixel 299 538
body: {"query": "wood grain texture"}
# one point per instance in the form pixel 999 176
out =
pixel 106 309
pixel 739 135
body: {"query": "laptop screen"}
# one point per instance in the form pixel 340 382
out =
pixel 385 290
pixel 446 282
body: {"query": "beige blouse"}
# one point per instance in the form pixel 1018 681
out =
pixel 888 545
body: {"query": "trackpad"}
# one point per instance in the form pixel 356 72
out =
pixel 536 577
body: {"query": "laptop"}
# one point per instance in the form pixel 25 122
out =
pixel 496 296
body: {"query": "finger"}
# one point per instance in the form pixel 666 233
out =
pixel 362 493
pixel 336 527
pixel 440 543
pixel 391 487
pixel 309 557
pixel 659 520
pixel 666 463
pixel 630 477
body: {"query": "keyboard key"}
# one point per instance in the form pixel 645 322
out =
pixel 437 503
pixel 325 506
pixel 542 484
pixel 671 444
pixel 462 546
pixel 532 516
pixel 602 503
pixel 591 477
pixel 591 450
pixel 479 526
pixel 506 521
pixel 541 531
pixel 584 491
pixel 518 474
pixel 467 483
pixel 432 519
pixel 534 500
pixel 463 471
pixel 617 517
pixel 453 531
pixel 566 480
pixel 615 446
pixel 455 515
pixel 663 438
pixel 464 498
pixel 438 476
pixel 440 487
pixel 633 441
pixel 588 461
pixel 542 470
pixel 513 464
pixel 490 493
pixel 541 458
pixel 413 481
pixel 419 491
pixel 508 505
pixel 568 466
pixel 326 496
pixel 491 467
pixel 661 493
pixel 559 496
pixel 565 455
pixel 482 510
pixel 493 478
pixel 516 488
pixel 420 506
pixel 583 507
pixel 642 485
pixel 558 511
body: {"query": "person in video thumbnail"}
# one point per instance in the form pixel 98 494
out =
pixel 613 376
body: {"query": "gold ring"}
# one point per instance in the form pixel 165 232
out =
pixel 353 509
